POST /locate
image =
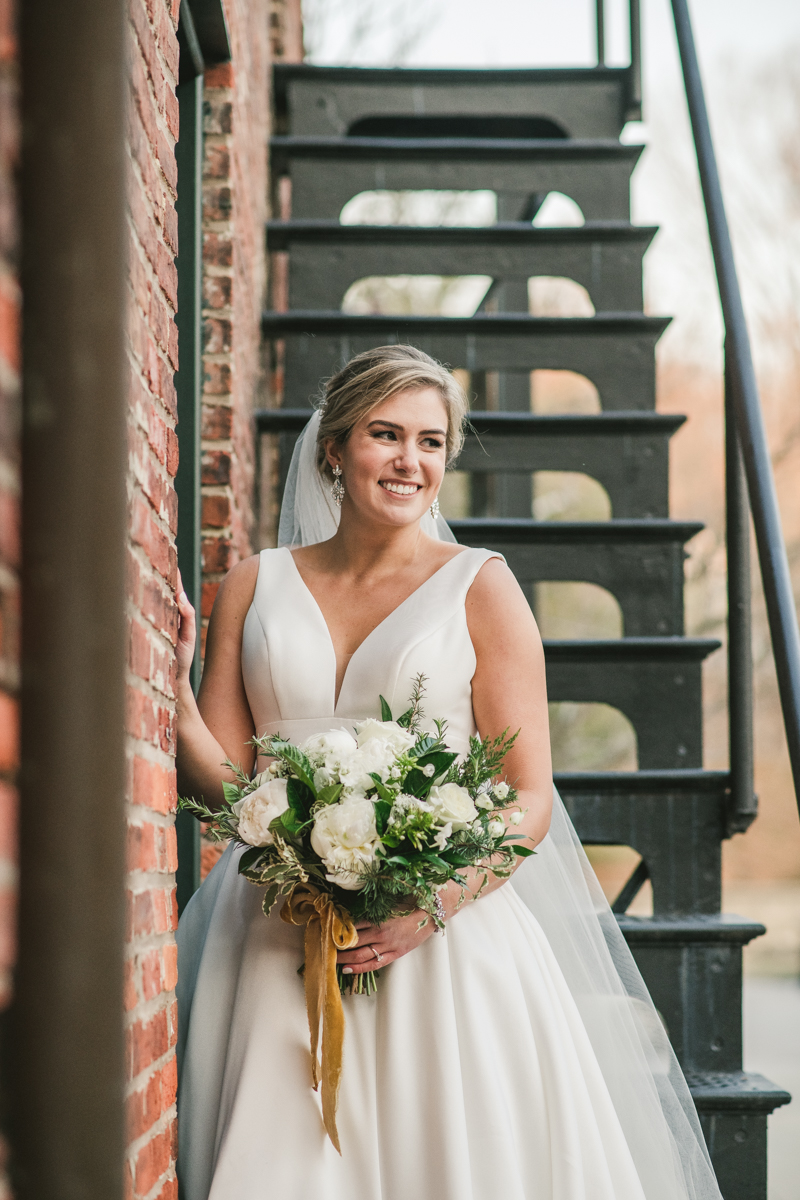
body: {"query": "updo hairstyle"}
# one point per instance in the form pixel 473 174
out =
pixel 375 376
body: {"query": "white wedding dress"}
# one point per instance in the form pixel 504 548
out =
pixel 491 1064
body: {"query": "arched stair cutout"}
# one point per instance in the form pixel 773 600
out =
pixel 567 610
pixel 427 207
pixel 558 210
pixel 569 496
pixel 416 295
pixel 591 737
pixel 457 126
pixel 563 392
pixel 624 878
pixel 557 296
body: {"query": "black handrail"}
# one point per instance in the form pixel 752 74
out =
pixel 745 408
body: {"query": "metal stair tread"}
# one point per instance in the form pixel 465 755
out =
pixel 744 1090
pixel 671 780
pixel 674 649
pixel 332 322
pixel 694 927
pixel 283 73
pixel 280 234
pixel 624 529
pixel 511 424
pixel 285 147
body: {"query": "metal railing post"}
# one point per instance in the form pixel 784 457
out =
pixel 746 407
pixel 743 805
pixel 634 112
pixel 600 31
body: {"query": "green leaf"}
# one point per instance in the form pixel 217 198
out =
pixel 522 851
pixel 442 760
pixel 249 858
pixel 288 822
pixel 270 896
pixel 398 858
pixel 406 719
pixel 297 793
pixel 417 784
pixel 386 712
pixel 232 792
pixel 330 793
pixel 380 787
pixel 423 746
pixel 382 810
pixel 297 761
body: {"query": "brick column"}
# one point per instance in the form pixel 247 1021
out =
pixel 151 965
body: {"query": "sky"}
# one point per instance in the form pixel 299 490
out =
pixel 740 43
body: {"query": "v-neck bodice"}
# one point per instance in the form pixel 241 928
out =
pixel 289 661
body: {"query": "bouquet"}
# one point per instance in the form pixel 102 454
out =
pixel 365 826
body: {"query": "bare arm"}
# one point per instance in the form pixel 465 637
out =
pixel 218 725
pixel 508 693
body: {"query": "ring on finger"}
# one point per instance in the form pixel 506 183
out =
pixel 378 957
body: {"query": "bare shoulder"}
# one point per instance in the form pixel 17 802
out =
pixel 236 592
pixel 497 610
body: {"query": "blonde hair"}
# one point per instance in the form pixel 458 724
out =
pixel 375 376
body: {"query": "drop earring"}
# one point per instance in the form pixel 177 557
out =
pixel 337 491
pixel 435 509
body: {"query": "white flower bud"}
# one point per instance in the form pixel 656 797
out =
pixel 484 801
pixel 428 770
pixel 501 790
pixel 496 828
pixel 516 817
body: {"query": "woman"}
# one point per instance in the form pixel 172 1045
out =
pixel 504 1059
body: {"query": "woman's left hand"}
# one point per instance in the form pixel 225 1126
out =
pixel 379 945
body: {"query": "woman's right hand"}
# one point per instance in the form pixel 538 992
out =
pixel 187 634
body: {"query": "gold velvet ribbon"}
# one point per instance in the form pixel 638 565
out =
pixel 328 928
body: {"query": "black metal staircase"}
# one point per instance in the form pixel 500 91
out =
pixel 523 134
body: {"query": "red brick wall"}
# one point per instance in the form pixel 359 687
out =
pixel 9 510
pixel 151 964
pixel 235 199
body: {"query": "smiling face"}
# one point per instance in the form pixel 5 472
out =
pixel 393 462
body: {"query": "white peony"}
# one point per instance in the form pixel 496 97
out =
pixel 501 790
pixel 374 757
pixel 329 749
pixel 388 732
pixel 257 811
pixel 346 839
pixel 453 803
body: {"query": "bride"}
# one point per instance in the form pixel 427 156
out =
pixel 517 1056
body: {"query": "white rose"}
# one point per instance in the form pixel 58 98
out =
pixel 388 732
pixel 257 810
pixel 496 828
pixel 453 803
pixel 516 817
pixel 346 839
pixel 501 790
